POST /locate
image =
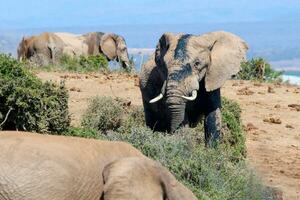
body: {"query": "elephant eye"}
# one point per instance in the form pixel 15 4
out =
pixel 197 63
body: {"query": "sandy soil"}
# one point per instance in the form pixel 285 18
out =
pixel 271 122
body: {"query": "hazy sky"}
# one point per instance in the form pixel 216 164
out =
pixel 62 13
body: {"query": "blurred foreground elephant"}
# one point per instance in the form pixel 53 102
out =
pixel 47 47
pixel 182 80
pixel 43 167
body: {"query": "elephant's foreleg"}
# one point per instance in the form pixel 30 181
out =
pixel 149 116
pixel 212 126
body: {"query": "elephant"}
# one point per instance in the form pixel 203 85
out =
pixel 43 167
pixel 133 177
pixel 181 81
pixel 111 45
pixel 43 49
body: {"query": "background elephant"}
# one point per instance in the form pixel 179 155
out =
pixel 43 49
pixel 140 178
pixel 182 80
pixel 112 46
pixel 43 167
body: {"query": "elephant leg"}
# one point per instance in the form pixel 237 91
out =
pixel 212 127
pixel 154 120
pixel 149 116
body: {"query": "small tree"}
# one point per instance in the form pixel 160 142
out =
pixel 258 69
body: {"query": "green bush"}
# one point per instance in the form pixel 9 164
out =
pixel 91 63
pixel 28 104
pixel 259 69
pixel 209 173
pixel 84 63
pixel 233 136
pixel 102 114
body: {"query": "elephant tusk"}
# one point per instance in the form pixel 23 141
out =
pixel 191 98
pixel 159 97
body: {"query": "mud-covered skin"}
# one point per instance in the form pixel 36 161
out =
pixel 180 51
pixel 181 82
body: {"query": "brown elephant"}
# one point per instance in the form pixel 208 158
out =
pixel 182 80
pixel 111 45
pixel 43 167
pixel 43 49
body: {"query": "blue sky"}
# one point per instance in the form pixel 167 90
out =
pixel 68 13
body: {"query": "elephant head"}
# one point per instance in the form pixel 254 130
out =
pixel 184 61
pixel 141 178
pixel 114 47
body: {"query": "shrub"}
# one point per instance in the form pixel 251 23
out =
pixel 102 114
pixel 258 69
pixel 81 132
pixel 89 63
pixel 209 173
pixel 94 63
pixel 233 136
pixel 28 104
pixel 84 63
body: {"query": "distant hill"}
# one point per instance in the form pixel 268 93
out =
pixel 275 41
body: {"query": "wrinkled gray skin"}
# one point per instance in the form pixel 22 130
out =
pixel 183 64
pixel 47 167
pixel 43 49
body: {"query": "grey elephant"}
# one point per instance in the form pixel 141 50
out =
pixel 43 167
pixel 43 49
pixel 181 82
pixel 111 45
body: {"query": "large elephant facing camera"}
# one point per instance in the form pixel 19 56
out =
pixel 182 80
pixel 111 45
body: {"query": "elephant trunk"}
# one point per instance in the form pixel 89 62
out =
pixel 123 58
pixel 176 110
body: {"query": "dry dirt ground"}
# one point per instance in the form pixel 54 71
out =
pixel 270 114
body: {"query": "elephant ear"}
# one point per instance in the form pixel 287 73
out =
pixel 227 53
pixel 162 47
pixel 108 46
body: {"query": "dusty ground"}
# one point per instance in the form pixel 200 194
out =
pixel 273 127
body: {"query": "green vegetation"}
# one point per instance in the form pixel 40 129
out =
pixel 91 63
pixel 210 173
pixel 103 114
pixel 233 136
pixel 28 104
pixel 260 70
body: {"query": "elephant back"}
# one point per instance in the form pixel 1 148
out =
pixel 74 45
pixel 93 40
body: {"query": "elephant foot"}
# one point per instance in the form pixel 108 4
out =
pixel 212 126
